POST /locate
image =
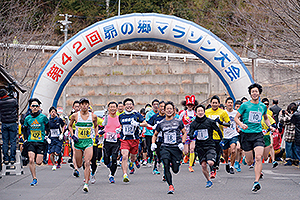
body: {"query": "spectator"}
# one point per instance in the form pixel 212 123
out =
pixel 295 119
pixel 9 118
pixel 275 109
pixel 289 132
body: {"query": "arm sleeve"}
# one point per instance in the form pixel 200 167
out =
pixel 192 130
pixel 151 120
pixel 216 128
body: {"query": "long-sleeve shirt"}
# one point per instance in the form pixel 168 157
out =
pixel 289 128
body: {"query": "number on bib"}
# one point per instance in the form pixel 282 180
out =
pixel 170 138
pixel 128 129
pixel 54 132
pixel 111 137
pixel 36 135
pixel 84 133
pixel 255 117
pixel 202 134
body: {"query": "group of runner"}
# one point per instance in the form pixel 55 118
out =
pixel 171 137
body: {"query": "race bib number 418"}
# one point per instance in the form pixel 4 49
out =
pixel 84 133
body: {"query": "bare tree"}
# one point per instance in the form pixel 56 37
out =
pixel 29 22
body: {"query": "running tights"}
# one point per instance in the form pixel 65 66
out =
pixel 97 154
pixel 148 145
pixel 157 156
pixel 167 172
pixel 113 167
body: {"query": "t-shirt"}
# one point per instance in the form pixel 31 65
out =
pixel 214 114
pixel 147 118
pixel 170 131
pixel 156 119
pixel 110 129
pixel 129 131
pixel 230 132
pixel 56 125
pixel 36 127
pixel 252 116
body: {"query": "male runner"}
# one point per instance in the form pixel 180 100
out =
pixel 172 146
pixel 120 108
pixel 130 121
pixel 222 118
pixel 153 121
pixel 38 126
pixel 83 142
pixel 239 151
pixel 251 136
pixel 230 137
pixel 111 143
pixel 56 135
pixel 202 130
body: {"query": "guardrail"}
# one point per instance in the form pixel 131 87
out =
pixel 142 53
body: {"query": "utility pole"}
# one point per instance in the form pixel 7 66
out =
pixel 64 28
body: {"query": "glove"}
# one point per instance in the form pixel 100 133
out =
pixel 153 146
pixel 181 146
pixel 61 136
pixel 222 144
pixel 135 123
pixel 217 120
pixel 48 140
pixel 75 139
pixel 101 132
pixel 195 134
pixel 118 130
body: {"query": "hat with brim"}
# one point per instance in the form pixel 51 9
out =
pixel 84 100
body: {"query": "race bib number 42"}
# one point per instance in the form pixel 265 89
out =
pixel 84 133
pixel 36 135
pixel 255 117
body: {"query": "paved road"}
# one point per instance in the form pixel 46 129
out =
pixel 279 183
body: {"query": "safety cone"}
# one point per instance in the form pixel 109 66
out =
pixel 66 150
pixel 49 160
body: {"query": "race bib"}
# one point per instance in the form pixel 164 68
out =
pixel 128 129
pixel 255 117
pixel 54 132
pixel 202 134
pixel 111 137
pixel 36 135
pixel 170 138
pixel 84 133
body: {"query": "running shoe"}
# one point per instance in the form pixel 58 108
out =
pixel 72 166
pixel 76 173
pixel 213 173
pixel 261 175
pixel 244 160
pixel 112 179
pixel 256 187
pixel 156 172
pixel 163 178
pixel 54 168
pixel 93 178
pixel 125 178
pixel 34 182
pixel 275 164
pixel 209 184
pixel 251 166
pixel 58 166
pixel 191 169
pixel 288 163
pixel 227 168
pixel 85 187
pixel 137 164
pixel 130 166
pixel 222 160
pixel 231 170
pixel 144 163
pixel 186 159
pixel 171 189
pixel 236 164
pixel 132 171
pixel 149 161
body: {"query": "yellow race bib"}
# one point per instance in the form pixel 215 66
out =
pixel 84 133
pixel 36 135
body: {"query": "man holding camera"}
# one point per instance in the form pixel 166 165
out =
pixel 9 118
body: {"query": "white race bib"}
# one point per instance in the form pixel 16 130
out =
pixel 111 137
pixel 128 129
pixel 202 134
pixel 54 132
pixel 255 117
pixel 170 138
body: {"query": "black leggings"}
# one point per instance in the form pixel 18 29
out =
pixel 157 156
pixel 167 173
pixel 219 153
pixel 148 145
pixel 97 153
pixel 111 150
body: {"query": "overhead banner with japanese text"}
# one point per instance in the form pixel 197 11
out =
pixel 140 27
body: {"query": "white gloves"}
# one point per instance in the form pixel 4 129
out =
pixel 135 123
pixel 153 146
pixel 180 146
pixel 118 130
pixel 48 140
pixel 61 136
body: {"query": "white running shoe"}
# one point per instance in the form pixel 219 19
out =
pixel 54 168
pixel 93 179
pixel 85 188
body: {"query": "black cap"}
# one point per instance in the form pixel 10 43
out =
pixel 84 100
pixel 3 92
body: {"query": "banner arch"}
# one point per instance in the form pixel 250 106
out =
pixel 140 27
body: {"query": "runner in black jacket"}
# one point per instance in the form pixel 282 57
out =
pixel 202 129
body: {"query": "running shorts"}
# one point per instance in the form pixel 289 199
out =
pixel 55 146
pixel 131 145
pixel 228 142
pixel 110 148
pixel 83 144
pixel 206 154
pixel 36 147
pixel 267 140
pixel 251 140
pixel 172 153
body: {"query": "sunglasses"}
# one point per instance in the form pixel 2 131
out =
pixel 34 106
pixel 266 104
